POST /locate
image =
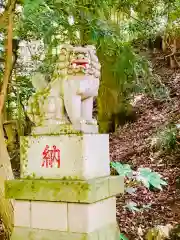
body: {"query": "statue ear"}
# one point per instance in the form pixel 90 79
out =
pixel 91 48
pixel 67 47
pixel 38 81
pixel 92 53
pixel 57 50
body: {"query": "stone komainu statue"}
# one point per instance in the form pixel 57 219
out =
pixel 68 98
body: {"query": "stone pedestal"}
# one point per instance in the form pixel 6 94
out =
pixel 82 156
pixel 65 191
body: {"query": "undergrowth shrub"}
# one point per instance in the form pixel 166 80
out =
pixel 175 233
pixel 133 179
pixel 166 139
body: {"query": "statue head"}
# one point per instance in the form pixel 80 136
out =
pixel 77 61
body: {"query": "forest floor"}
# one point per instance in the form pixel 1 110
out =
pixel 131 144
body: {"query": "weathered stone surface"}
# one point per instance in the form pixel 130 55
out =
pixel 49 215
pixel 22 211
pixel 86 218
pixel 41 215
pixel 66 217
pixel 55 129
pixel 116 185
pixel 109 232
pixel 83 157
pixel 73 85
pixel 64 190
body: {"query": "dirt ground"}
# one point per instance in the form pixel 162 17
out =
pixel 130 144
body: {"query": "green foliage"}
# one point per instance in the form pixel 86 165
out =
pixel 165 139
pixel 153 234
pixel 123 170
pixel 132 206
pixel 110 25
pixel 144 175
pixel 123 237
pixel 159 232
pixel 134 178
pixel 21 89
pixel 150 178
pixel 175 233
pixel 25 87
pixel 49 20
pixel 147 82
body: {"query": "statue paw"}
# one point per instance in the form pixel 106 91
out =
pixel 91 122
pixel 82 121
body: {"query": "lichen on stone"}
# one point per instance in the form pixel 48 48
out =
pixel 24 146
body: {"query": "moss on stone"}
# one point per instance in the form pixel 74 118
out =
pixel 36 104
pixel 60 190
pixel 116 184
pixel 24 146
pixel 54 130
pixel 50 190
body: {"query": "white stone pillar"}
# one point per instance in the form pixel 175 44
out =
pixel 65 191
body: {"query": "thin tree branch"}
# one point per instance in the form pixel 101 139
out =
pixel 9 8
pixel 9 55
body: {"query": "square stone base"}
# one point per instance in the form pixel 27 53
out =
pixel 82 157
pixel 65 217
pixel 108 232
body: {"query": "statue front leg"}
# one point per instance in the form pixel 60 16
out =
pixel 49 108
pixel 60 114
pixel 72 104
pixel 75 114
pixel 87 110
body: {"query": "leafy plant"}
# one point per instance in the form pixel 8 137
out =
pixel 130 190
pixel 123 237
pixel 132 206
pixel 175 233
pixel 165 139
pixel 132 178
pixel 149 178
pixel 169 137
pixel 144 175
pixel 123 170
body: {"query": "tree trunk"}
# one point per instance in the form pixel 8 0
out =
pixel 6 206
pixel 8 63
pixel 108 97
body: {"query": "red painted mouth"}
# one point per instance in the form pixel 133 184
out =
pixel 80 63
